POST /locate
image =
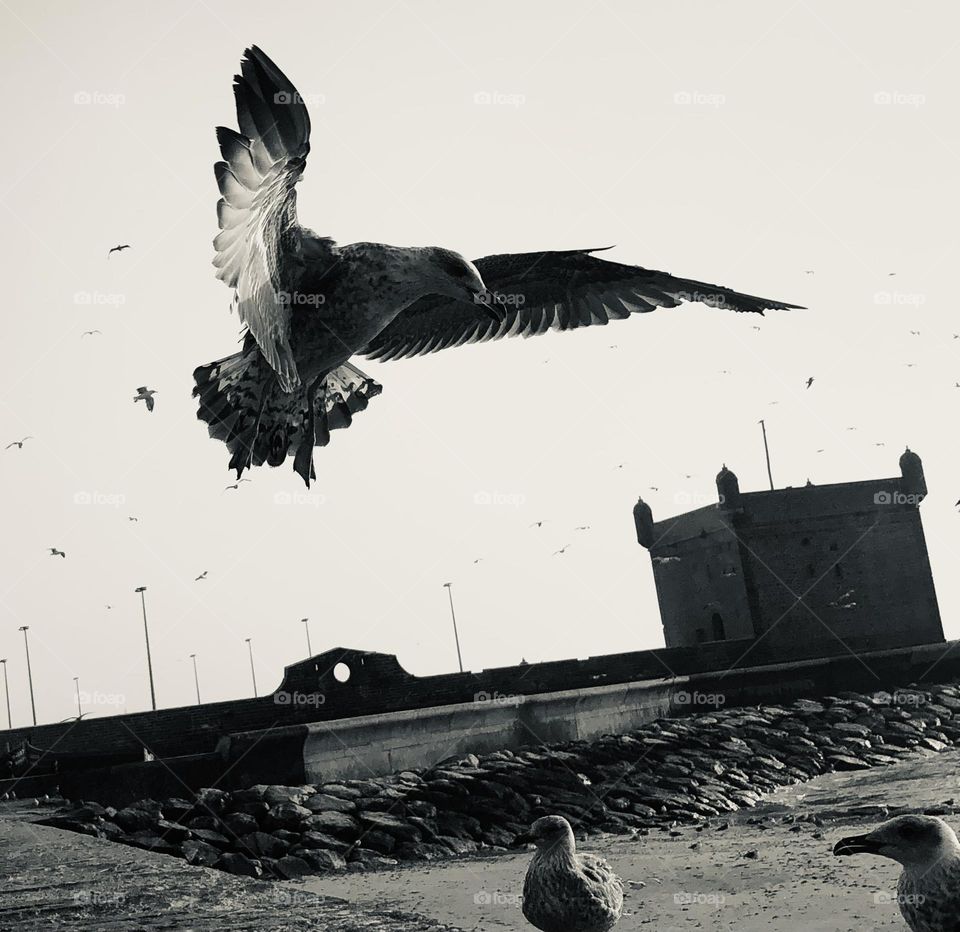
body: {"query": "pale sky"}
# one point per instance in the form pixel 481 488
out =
pixel 741 144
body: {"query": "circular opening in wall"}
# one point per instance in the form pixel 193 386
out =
pixel 341 673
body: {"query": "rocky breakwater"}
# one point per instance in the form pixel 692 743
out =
pixel 668 773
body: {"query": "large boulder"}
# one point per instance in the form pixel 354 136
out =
pixel 320 859
pixel 325 802
pixel 287 815
pixel 391 824
pixel 263 845
pixel 235 863
pixel 239 823
pixel 213 800
pixel 333 823
pixel 200 853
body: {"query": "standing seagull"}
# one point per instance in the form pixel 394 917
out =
pixel 310 305
pixel 565 891
pixel 929 888
pixel 145 394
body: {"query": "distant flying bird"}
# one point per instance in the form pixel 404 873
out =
pixel 916 333
pixel 891 273
pixel 236 485
pixel 808 272
pixel 118 249
pixel 56 553
pixel 132 518
pixel 109 607
pixel 755 327
pixel 477 560
pixel 203 575
pixel 910 365
pixel 774 402
pixel 928 891
pixel 810 381
pixel 537 524
pixel 18 443
pixel 310 305
pixel 145 394
pixel 583 527
pixel 851 428
pixel 880 444
pixel 820 451
pixel 89 333
pixel 564 891
pixel 563 549
pixel 654 488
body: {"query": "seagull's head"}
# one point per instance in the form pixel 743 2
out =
pixel 551 834
pixel 913 840
pixel 451 275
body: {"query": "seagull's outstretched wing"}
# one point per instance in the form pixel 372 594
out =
pixel 259 246
pixel 540 291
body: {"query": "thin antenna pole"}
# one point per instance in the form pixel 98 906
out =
pixel 453 616
pixel 766 450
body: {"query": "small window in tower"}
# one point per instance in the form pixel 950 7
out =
pixel 805 542
pixel 716 623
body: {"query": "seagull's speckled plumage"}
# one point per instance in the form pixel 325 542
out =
pixel 565 891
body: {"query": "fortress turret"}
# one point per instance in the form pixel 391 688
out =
pixel 728 488
pixel 911 469
pixel 643 519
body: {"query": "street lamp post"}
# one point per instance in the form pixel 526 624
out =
pixel 146 635
pixel 252 671
pixel 453 616
pixel 76 681
pixel 306 625
pixel 196 678
pixel 6 689
pixel 26 646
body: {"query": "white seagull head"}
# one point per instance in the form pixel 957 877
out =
pixel 551 834
pixel 448 273
pixel 916 841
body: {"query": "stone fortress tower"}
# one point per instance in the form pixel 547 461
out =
pixel 842 562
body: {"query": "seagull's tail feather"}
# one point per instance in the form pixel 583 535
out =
pixel 244 407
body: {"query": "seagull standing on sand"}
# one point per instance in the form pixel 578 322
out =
pixel 928 892
pixel 310 304
pixel 145 394
pixel 565 891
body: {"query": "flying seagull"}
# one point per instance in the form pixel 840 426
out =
pixel 56 553
pixel 566 890
pixel 562 550
pixel 310 305
pixel 90 333
pixel 203 575
pixel 18 443
pixel 583 527
pixel 537 524
pixel 810 381
pixel 928 891
pixel 118 249
pixel 145 394
pixel 236 485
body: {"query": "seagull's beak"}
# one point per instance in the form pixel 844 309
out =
pixel 857 844
pixel 488 300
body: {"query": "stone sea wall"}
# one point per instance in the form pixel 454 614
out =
pixel 666 773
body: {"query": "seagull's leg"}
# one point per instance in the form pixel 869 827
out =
pixel 303 461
